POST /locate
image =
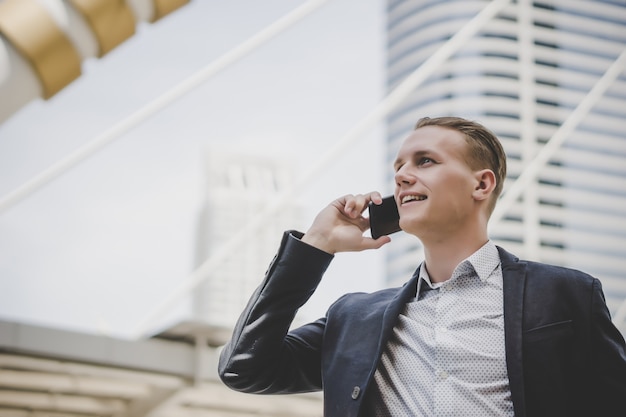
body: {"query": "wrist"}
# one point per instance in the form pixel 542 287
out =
pixel 319 241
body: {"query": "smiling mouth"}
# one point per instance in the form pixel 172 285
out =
pixel 409 198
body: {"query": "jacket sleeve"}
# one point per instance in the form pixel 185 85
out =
pixel 608 351
pixel 263 356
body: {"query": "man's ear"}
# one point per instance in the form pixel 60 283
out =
pixel 485 184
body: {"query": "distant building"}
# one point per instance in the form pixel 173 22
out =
pixel 522 76
pixel 239 186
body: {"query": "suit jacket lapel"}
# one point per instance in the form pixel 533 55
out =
pixel 390 316
pixel 391 313
pixel 388 321
pixel 514 281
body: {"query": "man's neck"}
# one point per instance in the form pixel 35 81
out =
pixel 443 256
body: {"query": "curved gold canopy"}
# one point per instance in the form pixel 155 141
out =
pixel 36 36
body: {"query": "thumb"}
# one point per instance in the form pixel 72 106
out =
pixel 369 243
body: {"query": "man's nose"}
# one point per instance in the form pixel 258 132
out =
pixel 403 176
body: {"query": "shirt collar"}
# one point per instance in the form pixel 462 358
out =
pixel 484 261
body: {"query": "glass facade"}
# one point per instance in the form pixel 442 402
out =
pixel 526 75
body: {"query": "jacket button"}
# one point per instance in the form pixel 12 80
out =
pixel 355 392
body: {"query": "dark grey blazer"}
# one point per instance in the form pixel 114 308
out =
pixel 564 355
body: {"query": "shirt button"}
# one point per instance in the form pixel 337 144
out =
pixel 443 329
pixel 355 392
pixel 443 375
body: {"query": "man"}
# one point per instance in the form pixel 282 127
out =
pixel 475 332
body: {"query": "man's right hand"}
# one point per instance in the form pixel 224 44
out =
pixel 340 226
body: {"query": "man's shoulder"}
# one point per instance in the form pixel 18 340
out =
pixel 544 270
pixel 365 301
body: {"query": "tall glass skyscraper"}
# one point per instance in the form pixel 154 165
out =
pixel 536 73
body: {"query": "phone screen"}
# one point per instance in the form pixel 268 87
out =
pixel 384 218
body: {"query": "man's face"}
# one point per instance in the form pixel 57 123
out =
pixel 434 184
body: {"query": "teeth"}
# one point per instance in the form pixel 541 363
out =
pixel 408 198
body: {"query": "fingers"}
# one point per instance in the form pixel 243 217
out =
pixel 354 205
pixel 340 226
pixel 376 198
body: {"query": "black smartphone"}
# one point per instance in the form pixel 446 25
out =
pixel 384 218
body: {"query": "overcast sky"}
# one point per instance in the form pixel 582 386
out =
pixel 103 245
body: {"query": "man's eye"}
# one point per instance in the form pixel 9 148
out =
pixel 425 160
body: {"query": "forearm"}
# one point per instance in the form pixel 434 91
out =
pixel 262 357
